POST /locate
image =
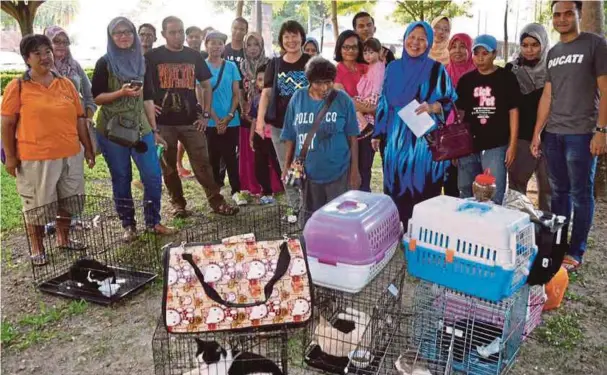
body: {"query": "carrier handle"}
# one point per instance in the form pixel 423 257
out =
pixel 282 265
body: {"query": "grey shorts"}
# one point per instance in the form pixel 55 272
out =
pixel 41 182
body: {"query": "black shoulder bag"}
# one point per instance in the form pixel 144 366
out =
pixel 296 173
pixel 223 65
pixel 271 112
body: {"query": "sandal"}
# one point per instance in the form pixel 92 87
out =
pixel 571 264
pixel 73 245
pixel 39 260
pixel 226 210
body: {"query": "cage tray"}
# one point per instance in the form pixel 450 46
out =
pixel 134 281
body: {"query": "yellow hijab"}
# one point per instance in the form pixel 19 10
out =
pixel 440 50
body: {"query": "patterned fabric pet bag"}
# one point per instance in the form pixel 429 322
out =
pixel 236 284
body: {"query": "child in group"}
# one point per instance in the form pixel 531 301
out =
pixel 489 96
pixel 261 144
pixel 370 86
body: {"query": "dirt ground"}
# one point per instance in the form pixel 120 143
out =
pixel 42 334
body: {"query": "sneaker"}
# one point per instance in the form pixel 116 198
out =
pixel 130 234
pixel 267 199
pixel 240 199
pixel 180 213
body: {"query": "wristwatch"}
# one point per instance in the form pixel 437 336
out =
pixel 206 115
pixel 231 114
pixel 601 129
pixel 157 131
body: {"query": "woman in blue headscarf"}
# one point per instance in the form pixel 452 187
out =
pixel 119 90
pixel 410 174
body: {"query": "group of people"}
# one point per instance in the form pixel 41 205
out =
pixel 233 109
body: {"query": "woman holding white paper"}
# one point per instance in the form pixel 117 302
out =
pixel 410 174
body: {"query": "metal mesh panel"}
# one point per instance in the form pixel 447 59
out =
pixel 467 333
pixel 219 353
pixel 93 222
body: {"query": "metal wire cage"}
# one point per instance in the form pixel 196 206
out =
pixel 264 352
pixel 341 319
pixel 93 230
pixel 465 333
pixel 265 222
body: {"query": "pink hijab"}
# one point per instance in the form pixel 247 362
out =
pixel 456 71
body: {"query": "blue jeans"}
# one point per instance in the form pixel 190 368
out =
pixel 470 166
pixel 118 159
pixel 571 169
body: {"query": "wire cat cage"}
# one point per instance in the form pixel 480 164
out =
pixel 259 352
pixel 353 246
pixel 465 333
pixel 76 248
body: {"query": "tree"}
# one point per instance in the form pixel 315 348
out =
pixel 506 52
pixel 334 19
pixel 239 8
pixel 24 12
pixel 409 11
pixel 593 21
pixel 50 13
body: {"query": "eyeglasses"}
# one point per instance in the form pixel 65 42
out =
pixel 351 47
pixel 122 33
pixel 61 42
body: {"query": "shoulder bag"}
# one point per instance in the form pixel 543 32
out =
pixel 271 112
pixel 296 173
pixel 450 142
pixel 234 286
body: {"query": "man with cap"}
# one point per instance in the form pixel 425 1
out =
pixel 488 97
pixel 224 125
pixel 176 73
pixel 573 109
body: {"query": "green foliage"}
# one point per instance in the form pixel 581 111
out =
pixel 50 13
pixel 38 327
pixel 7 76
pixel 409 11
pixel 563 331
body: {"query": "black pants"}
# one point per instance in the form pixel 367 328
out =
pixel 451 189
pixel 264 155
pixel 224 146
pixel 365 163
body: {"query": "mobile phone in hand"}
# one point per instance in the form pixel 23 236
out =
pixel 135 84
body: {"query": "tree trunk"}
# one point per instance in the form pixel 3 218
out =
pixel 258 12
pixel 593 21
pixel 24 13
pixel 506 54
pixel 239 8
pixel 334 19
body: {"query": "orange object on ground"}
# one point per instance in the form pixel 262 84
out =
pixel 555 289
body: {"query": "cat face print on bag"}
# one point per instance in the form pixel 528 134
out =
pixel 257 313
pixel 215 315
pixel 173 318
pixel 300 308
pixel 212 274
pixel 298 269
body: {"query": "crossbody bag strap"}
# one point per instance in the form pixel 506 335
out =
pixel 223 65
pixel 316 125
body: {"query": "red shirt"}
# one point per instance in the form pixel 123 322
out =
pixel 349 79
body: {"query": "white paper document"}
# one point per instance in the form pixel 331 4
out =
pixel 419 124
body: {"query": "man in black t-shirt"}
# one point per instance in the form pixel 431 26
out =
pixel 489 97
pixel 176 73
pixel 364 25
pixel 234 51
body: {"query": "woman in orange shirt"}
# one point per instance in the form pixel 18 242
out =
pixel 43 152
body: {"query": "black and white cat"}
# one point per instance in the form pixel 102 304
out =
pixel 215 360
pixel 91 274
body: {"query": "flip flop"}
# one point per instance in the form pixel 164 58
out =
pixel 73 245
pixel 39 260
pixel 571 264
